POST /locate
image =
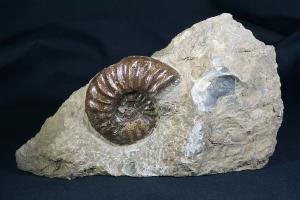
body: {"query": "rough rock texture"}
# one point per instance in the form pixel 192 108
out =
pixel 223 116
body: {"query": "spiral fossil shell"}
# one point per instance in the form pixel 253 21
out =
pixel 121 99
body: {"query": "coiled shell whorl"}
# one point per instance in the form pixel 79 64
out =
pixel 120 100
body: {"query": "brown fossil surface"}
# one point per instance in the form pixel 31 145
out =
pixel 120 100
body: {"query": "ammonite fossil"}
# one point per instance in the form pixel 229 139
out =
pixel 121 99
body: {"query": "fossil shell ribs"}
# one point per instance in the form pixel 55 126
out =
pixel 120 100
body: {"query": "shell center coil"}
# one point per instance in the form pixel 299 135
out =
pixel 133 105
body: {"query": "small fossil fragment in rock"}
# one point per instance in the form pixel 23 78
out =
pixel 120 100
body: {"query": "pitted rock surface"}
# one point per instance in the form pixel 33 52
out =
pixel 223 116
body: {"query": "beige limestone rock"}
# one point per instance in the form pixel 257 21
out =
pixel 223 116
